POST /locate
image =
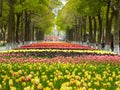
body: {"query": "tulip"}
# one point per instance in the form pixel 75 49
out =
pixel 97 83
pixel 78 84
pixel 20 72
pixel 36 80
pixel 84 88
pixel 23 79
pixel 116 83
pixel 28 78
pixel 17 80
pixel 0 87
pixel 110 79
pixel 47 88
pixel 39 87
pixel 90 89
pixel 10 82
pixel 117 88
pixel 89 84
pixel 24 84
pixel 27 88
pixel 11 72
pixel 12 88
pixel 105 85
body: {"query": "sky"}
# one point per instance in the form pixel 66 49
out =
pixel 63 1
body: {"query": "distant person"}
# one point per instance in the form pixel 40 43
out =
pixel 119 46
pixel 102 45
pixel 23 42
pixel 112 46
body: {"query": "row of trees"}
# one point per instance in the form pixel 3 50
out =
pixel 26 20
pixel 99 19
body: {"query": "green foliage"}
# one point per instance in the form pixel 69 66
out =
pixel 18 8
pixel 4 18
pixel 67 15
pixel 55 3
pixel 80 8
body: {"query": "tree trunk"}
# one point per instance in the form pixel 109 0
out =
pixel 81 34
pixel 70 35
pixel 17 28
pixel 100 28
pixel 39 34
pixel 84 29
pixel 1 5
pixel 27 26
pixel 11 23
pixel 90 30
pixel 95 28
pixel 3 31
pixel 107 38
pixel 116 31
pixel 32 32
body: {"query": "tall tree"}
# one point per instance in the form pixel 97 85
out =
pixel 1 6
pixel 11 22
pixel 116 10
pixel 4 20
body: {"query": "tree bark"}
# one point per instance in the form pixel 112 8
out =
pixel 17 28
pixel 90 30
pixel 11 23
pixel 1 5
pixel 109 19
pixel 39 34
pixel 116 31
pixel 4 31
pixel 32 32
pixel 100 28
pixel 95 29
pixel 84 29
pixel 108 27
pixel 27 26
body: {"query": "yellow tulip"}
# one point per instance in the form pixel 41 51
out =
pixel 47 88
pixel 0 87
pixel 20 72
pixel 97 83
pixel 39 86
pixel 90 89
pixel 117 88
pixel 12 88
pixel 10 82
pixel 23 83
pixel 36 80
pixel 89 84
pixel 27 88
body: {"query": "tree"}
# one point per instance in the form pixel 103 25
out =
pixel 4 20
pixel 11 22
pixel 116 9
pixel 1 6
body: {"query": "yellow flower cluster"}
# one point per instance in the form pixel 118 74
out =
pixel 59 76
pixel 58 50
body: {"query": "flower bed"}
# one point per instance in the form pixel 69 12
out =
pixel 9 58
pixel 53 49
pixel 60 75
pixel 48 68
pixel 55 45
pixel 57 52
